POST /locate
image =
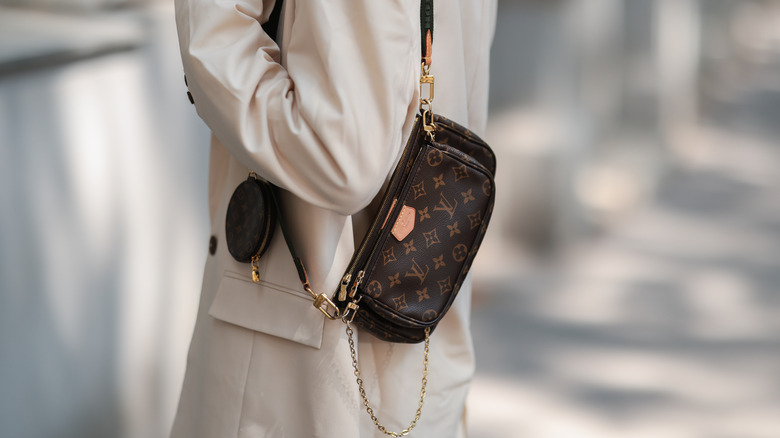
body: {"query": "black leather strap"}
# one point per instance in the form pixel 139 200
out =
pixel 298 263
pixel 271 27
pixel 426 30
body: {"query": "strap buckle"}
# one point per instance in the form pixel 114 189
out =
pixel 324 304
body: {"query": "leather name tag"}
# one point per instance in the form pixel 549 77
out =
pixel 404 224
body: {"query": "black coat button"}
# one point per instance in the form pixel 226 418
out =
pixel 189 95
pixel 213 245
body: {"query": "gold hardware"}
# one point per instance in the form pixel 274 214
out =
pixel 428 121
pixel 358 280
pixel 353 307
pixel 252 174
pixel 426 103
pixel 426 69
pixel 428 126
pixel 366 403
pixel 344 285
pixel 324 304
pixel 255 269
pixel 426 79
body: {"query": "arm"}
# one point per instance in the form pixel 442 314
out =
pixel 328 127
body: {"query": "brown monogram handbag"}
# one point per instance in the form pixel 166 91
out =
pixel 410 266
pixel 420 246
pixel 408 269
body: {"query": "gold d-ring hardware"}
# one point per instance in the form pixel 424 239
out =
pixel 426 103
pixel 426 79
pixel 428 124
pixel 324 304
pixel 351 311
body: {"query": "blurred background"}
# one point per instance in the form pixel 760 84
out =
pixel 629 286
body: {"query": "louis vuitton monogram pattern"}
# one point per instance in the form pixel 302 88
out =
pixel 452 134
pixel 250 220
pixel 420 275
pixel 410 284
pixel 388 255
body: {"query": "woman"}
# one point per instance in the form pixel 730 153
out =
pixel 324 116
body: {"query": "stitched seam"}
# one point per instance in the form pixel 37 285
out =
pixel 269 285
pixel 398 221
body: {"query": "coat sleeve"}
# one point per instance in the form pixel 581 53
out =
pixel 327 126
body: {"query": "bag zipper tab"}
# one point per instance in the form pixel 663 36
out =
pixel 355 285
pixel 344 285
pixel 255 268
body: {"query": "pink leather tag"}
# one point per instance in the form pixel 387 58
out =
pixel 404 224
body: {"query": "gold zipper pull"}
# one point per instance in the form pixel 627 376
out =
pixel 355 285
pixel 344 285
pixel 255 269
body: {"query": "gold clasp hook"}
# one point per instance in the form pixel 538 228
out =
pixel 324 304
pixel 428 125
pixel 426 79
pixel 351 310
pixel 426 101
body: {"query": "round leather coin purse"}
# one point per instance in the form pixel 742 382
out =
pixel 250 222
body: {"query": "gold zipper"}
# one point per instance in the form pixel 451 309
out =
pixel 344 285
pixel 356 259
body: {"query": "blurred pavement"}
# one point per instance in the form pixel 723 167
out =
pixel 667 325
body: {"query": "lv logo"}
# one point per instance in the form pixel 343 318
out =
pixel 417 272
pixel 446 205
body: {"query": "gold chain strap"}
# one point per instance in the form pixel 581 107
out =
pixel 370 411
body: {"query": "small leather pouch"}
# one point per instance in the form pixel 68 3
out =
pixel 250 221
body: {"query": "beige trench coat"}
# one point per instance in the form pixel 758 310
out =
pixel 325 117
